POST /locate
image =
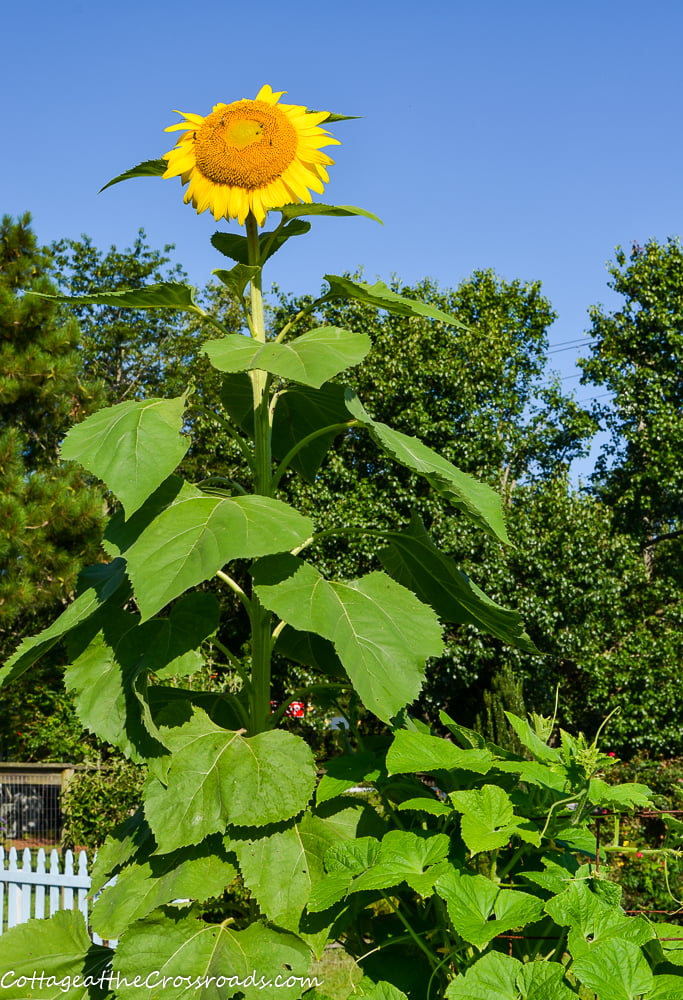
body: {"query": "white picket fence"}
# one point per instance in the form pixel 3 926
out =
pixel 28 891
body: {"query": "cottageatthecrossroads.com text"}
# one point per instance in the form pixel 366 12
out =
pixel 153 980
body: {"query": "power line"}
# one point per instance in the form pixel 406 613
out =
pixel 583 343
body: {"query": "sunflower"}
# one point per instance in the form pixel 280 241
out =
pixel 250 156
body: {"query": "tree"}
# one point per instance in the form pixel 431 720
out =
pixel 637 357
pixel 51 516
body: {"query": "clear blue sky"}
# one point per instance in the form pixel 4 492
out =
pixel 531 137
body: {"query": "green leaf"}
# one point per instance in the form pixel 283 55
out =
pixel 311 359
pixel 302 411
pixel 343 862
pixel 630 795
pixel 103 678
pixel 412 752
pixel 105 696
pixel 311 650
pixel 236 247
pixel 479 909
pixel 342 773
pixel 426 804
pixel 384 991
pixel 413 560
pixel 165 295
pixel 488 820
pixel 182 537
pixel 182 958
pixel 280 868
pixel 59 948
pixel 148 168
pixel 217 777
pixel 616 970
pixel 295 211
pixel 493 977
pixel 543 981
pixel 102 583
pixel 132 447
pixel 232 245
pixel 238 277
pixel 528 738
pixel 666 988
pixel 535 773
pixel 475 499
pixel 129 838
pixel 381 632
pixel 191 873
pixel 405 857
pixel 593 921
pixel 237 396
pixel 382 297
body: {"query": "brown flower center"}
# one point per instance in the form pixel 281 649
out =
pixel 247 144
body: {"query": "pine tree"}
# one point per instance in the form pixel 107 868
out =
pixel 49 515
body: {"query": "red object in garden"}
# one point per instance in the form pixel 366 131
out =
pixel 295 709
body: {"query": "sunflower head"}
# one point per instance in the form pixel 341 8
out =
pixel 250 156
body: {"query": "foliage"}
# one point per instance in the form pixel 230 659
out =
pixel 651 879
pixel 497 841
pixel 49 519
pixel 637 357
pixel 97 799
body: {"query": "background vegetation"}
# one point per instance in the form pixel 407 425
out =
pixel 596 571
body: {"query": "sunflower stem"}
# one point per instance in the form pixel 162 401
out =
pixel 260 618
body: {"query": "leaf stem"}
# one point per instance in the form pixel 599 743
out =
pixel 295 449
pixel 235 587
pixel 431 957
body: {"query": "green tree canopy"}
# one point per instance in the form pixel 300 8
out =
pixel 638 358
pixel 50 516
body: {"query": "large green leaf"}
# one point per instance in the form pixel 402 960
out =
pixel 343 863
pixel 616 970
pixel 311 650
pixel 179 957
pixel 182 537
pixel 130 838
pixel 280 868
pixel 406 857
pixel 301 411
pixel 543 981
pixel 413 560
pixel 61 951
pixel 382 634
pixel 311 359
pixel 488 820
pixel 164 295
pixel 366 865
pixel 104 677
pixel 104 689
pixel 132 447
pixel 217 777
pixel 101 583
pixel 479 909
pixel 412 752
pixel 199 873
pixel 382 297
pixel 630 795
pixel 148 168
pixel 475 499
pixel 493 977
pixel 592 920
